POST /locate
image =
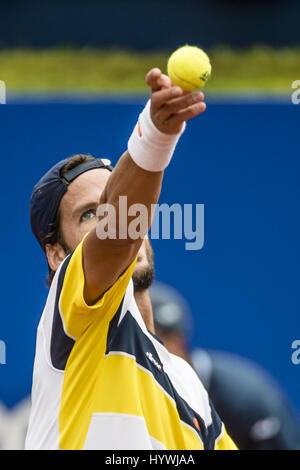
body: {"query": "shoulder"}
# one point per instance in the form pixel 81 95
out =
pixel 192 387
pixel 189 376
pixel 182 365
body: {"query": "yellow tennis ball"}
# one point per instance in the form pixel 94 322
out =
pixel 189 67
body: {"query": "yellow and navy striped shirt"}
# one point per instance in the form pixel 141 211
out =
pixel 101 380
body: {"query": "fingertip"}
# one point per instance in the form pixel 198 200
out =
pixel 177 91
pixel 153 74
pixel 156 71
pixel 202 106
pixel 165 81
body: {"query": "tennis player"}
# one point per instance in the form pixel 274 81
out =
pixel 102 379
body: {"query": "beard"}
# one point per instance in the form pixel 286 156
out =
pixel 143 278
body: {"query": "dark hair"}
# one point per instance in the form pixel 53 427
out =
pixel 55 236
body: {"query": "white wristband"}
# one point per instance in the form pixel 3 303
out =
pixel 150 148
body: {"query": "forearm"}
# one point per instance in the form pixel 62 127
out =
pixel 136 186
pixel 109 250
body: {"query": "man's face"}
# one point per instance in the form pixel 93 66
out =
pixel 144 269
pixel 78 217
pixel 79 204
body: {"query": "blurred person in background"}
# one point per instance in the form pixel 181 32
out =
pixel 256 411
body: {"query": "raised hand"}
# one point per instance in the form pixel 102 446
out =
pixel 170 105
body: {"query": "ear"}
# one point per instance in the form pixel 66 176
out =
pixel 55 255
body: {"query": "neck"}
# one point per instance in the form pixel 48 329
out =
pixel 144 304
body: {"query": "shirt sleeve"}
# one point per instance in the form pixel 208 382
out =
pixel 225 442
pixel 75 312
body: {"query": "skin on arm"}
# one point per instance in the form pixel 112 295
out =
pixel 105 260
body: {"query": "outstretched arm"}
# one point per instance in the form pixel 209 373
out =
pixel 104 260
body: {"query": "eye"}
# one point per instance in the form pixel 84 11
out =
pixel 88 215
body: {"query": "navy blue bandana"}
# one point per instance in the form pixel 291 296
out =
pixel 48 192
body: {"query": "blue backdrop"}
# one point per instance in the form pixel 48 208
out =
pixel 240 160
